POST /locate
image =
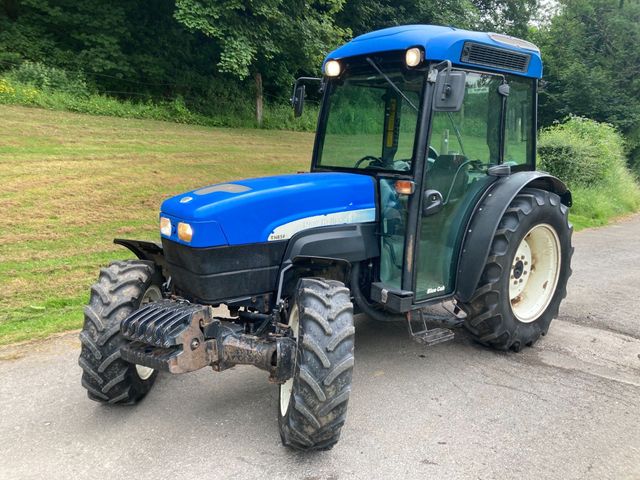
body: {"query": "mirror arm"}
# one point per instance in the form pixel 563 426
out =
pixel 297 82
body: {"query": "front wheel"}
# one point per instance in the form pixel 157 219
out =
pixel 122 288
pixel 313 403
pixel 525 276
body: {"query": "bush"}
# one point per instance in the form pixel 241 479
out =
pixel 49 79
pixel 590 157
pixel 580 151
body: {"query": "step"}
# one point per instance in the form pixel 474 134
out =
pixel 433 336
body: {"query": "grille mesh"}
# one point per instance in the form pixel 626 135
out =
pixel 494 57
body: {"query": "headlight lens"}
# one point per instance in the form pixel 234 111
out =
pixel 332 68
pixel 413 57
pixel 165 226
pixel 185 232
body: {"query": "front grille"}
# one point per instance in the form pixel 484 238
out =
pixel 477 54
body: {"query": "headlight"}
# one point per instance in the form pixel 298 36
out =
pixel 413 57
pixel 332 68
pixel 185 232
pixel 165 226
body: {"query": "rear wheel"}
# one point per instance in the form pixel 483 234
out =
pixel 525 276
pixel 122 288
pixel 313 403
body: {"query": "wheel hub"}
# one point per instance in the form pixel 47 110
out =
pixel 518 269
pixel 534 273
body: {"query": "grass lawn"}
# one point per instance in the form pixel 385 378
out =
pixel 72 182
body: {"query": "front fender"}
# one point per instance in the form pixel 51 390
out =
pixel 145 251
pixel 486 218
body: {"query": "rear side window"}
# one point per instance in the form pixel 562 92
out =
pixel 520 131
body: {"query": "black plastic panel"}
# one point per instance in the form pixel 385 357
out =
pixel 353 243
pixel 211 275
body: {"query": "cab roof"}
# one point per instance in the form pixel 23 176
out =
pixel 489 51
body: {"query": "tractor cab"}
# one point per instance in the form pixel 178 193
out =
pixel 435 115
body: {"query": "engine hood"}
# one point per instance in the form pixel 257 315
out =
pixel 270 208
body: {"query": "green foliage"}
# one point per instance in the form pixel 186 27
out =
pixel 273 37
pixel 205 51
pixel 589 156
pixel 507 16
pixel 591 51
pixel 51 79
pixel 277 116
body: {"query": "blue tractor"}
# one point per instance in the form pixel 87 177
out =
pixel 422 189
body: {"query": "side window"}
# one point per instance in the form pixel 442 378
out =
pixel 468 132
pixel 519 123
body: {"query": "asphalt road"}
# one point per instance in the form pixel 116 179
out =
pixel 569 408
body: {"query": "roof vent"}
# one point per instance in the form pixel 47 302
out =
pixel 478 54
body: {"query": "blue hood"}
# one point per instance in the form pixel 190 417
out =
pixel 270 208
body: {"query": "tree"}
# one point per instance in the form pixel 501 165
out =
pixel 591 51
pixel 506 16
pixel 363 16
pixel 272 38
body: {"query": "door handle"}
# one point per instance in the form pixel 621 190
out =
pixel 432 202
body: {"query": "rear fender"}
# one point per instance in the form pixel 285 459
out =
pixel 486 218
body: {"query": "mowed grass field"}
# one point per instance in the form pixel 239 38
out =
pixel 70 183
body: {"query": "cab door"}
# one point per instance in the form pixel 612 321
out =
pixel 463 144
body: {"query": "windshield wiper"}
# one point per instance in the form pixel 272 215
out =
pixel 390 82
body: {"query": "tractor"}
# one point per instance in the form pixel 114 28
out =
pixel 422 190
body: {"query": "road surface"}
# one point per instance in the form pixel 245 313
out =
pixel 569 408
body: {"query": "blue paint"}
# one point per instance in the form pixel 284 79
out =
pixel 440 43
pixel 227 218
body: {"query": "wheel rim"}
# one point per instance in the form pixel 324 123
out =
pixel 152 294
pixel 534 273
pixel 286 389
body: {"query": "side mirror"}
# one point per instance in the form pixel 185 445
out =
pixel 450 90
pixel 297 99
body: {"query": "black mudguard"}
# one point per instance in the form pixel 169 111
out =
pixel 486 218
pixel 328 252
pixel 144 251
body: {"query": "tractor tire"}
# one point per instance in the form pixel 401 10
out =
pixel 121 288
pixel 525 276
pixel 313 403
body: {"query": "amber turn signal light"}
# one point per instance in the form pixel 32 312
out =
pixel 185 232
pixel 405 187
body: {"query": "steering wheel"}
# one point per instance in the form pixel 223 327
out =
pixel 371 159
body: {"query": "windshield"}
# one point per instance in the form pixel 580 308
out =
pixel 369 124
